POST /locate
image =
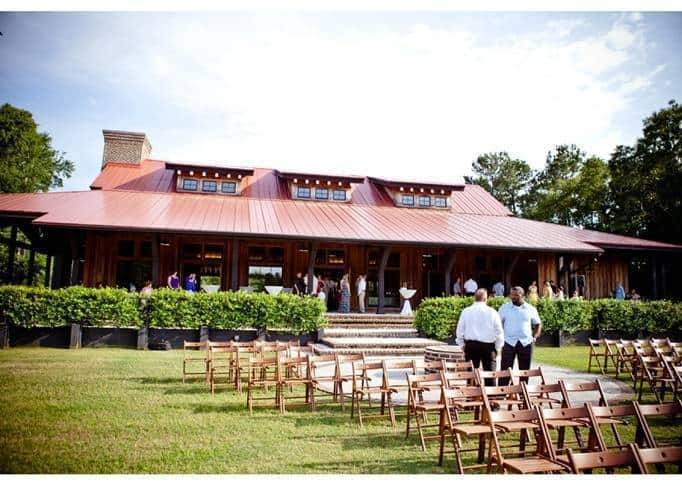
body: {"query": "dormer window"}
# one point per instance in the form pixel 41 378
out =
pixel 322 194
pixel 424 201
pixel 407 200
pixel 209 186
pixel 440 202
pixel 339 195
pixel 303 192
pixel 190 184
pixel 228 187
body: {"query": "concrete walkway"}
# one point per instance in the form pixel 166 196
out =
pixel 615 390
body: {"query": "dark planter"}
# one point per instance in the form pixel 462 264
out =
pixel 52 337
pixel 176 337
pixel 4 336
pixel 548 339
pixel 580 337
pixel 303 338
pixel 611 334
pixel 109 336
pixel 243 335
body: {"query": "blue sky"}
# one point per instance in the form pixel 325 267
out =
pixel 401 94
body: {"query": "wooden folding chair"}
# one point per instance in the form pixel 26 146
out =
pixel 492 378
pixel 655 372
pixel 570 390
pixel 454 379
pixel 535 396
pixel 191 352
pixel 576 417
pixel 291 381
pixel 522 421
pixel 626 358
pixel 221 362
pixel 619 415
pixel 600 353
pixel 324 373
pixel 455 403
pixel 344 372
pixel 509 396
pixel 264 373
pixel 362 388
pixel 418 407
pixel 541 395
pixel 658 457
pixel 589 461
pixel 673 365
pixel 394 379
pixel 646 412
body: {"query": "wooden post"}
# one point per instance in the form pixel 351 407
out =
pixel 75 337
pixel 73 276
pixel 155 260
pixel 31 264
pixel 448 272
pixel 311 267
pixel 654 271
pixel 234 270
pixel 4 335
pixel 142 337
pixel 48 265
pixel 381 283
pixel 11 254
pixel 508 273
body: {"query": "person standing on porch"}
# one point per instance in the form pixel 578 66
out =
pixel 457 287
pixel 533 293
pixel 470 286
pixel 344 305
pixel 518 319
pixel 174 281
pixel 479 331
pixel 361 285
pixel 299 285
pixel 498 289
pixel 619 292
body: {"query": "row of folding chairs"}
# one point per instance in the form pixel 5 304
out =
pixel 656 363
pixel 488 413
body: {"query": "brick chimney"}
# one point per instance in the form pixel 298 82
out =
pixel 128 147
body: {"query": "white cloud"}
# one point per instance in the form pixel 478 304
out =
pixel 280 91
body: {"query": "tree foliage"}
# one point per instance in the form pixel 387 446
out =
pixel 505 178
pixel 28 163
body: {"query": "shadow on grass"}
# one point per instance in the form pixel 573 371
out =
pixel 424 465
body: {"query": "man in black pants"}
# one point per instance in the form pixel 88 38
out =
pixel 522 327
pixel 479 330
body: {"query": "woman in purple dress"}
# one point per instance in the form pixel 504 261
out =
pixel 174 281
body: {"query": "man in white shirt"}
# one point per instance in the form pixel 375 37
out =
pixel 479 330
pixel 470 286
pixel 498 289
pixel 361 285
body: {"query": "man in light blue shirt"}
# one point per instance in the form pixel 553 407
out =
pixel 518 319
pixel 498 289
pixel 619 293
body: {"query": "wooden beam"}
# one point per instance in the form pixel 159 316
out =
pixel 381 282
pixel 73 275
pixel 11 254
pixel 234 269
pixel 48 265
pixel 311 267
pixel 31 265
pixel 448 272
pixel 654 274
pixel 155 259
pixel 508 273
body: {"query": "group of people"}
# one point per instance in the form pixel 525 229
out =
pixel 470 287
pixel 619 293
pixel 486 333
pixel 191 283
pixel 329 291
pixel 549 290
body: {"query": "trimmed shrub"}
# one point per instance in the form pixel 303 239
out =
pixel 437 317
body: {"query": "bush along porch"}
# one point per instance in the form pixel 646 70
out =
pixel 565 321
pixel 75 316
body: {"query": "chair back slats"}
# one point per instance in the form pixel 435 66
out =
pixel 588 461
pixel 659 456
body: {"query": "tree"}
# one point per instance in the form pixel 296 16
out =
pixel 572 190
pixel 28 163
pixel 505 178
pixel 646 179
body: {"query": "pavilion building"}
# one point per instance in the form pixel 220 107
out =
pixel 238 227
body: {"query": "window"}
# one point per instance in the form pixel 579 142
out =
pixel 441 202
pixel 266 254
pixel 126 248
pixel 303 192
pixel 146 249
pixel 339 195
pixel 424 201
pixel 209 186
pixel 321 194
pixel 213 252
pixel 407 200
pixel 228 187
pixel 259 277
pixel 190 184
pixel 191 251
pixel 336 257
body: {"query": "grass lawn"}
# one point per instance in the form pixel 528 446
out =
pixel 114 410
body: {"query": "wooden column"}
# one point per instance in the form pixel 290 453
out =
pixel 73 275
pixel 48 267
pixel 508 273
pixel 234 270
pixel 448 272
pixel 381 283
pixel 311 267
pixel 654 274
pixel 155 259
pixel 11 254
pixel 31 264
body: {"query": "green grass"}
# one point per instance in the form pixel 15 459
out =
pixel 113 410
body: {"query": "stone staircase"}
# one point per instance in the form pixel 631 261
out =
pixel 371 334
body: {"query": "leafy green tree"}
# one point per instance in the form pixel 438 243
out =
pixel 505 178
pixel 28 163
pixel 572 189
pixel 646 179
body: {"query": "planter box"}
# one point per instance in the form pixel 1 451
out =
pixel 243 335
pixel 567 338
pixel 284 335
pixel 52 337
pixel 548 339
pixel 109 336
pixel 175 336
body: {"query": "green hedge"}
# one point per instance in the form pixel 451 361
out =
pixel 437 317
pixel 31 306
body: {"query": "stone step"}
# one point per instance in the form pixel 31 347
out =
pixel 370 325
pixel 378 342
pixel 369 317
pixel 376 352
pixel 369 332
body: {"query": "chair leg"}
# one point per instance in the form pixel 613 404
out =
pixel 421 432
